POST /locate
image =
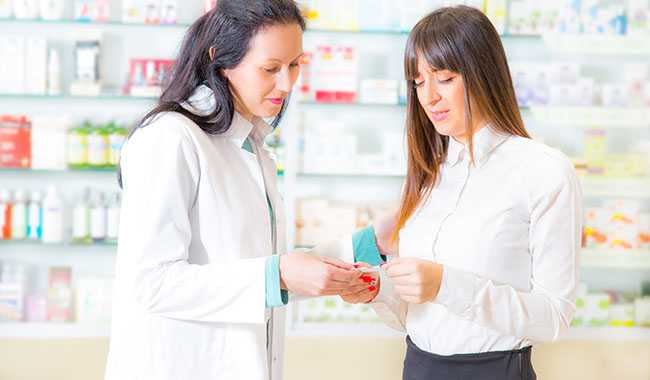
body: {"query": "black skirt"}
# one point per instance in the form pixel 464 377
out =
pixel 498 365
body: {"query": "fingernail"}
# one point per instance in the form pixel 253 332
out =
pixel 372 288
pixel 366 278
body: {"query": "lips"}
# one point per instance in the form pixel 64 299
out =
pixel 276 101
pixel 439 115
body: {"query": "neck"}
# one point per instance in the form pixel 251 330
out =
pixel 462 139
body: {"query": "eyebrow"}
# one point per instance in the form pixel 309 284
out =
pixel 279 60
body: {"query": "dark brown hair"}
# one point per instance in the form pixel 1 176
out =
pixel 460 39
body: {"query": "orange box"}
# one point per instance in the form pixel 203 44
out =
pixel 15 142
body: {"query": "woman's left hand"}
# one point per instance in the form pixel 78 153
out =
pixel 414 280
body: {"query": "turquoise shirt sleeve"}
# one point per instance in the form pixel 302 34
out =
pixel 364 245
pixel 275 296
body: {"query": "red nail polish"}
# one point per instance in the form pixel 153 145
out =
pixel 367 278
pixel 372 288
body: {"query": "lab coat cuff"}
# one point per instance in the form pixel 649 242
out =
pixel 275 296
pixel 456 291
pixel 364 245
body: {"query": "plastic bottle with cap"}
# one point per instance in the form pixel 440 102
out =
pixel 5 214
pixel 52 217
pixel 19 216
pixel 35 216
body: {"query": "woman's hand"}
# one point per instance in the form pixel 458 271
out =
pixel 362 289
pixel 311 275
pixel 383 233
pixel 414 280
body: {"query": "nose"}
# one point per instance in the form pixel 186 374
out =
pixel 283 81
pixel 430 94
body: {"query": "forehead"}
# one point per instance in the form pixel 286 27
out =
pixel 281 42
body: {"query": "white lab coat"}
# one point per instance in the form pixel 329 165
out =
pixel 189 300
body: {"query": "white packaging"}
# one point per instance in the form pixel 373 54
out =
pixel 35 216
pixel 12 70
pixel 26 9
pixel 169 12
pixel 36 66
pixel 53 73
pixel 53 210
pixel 642 310
pixel 52 9
pixel 6 9
pixel 49 142
pixel 597 309
pixel 152 12
pixel 98 218
pixel 587 92
pixel 81 219
pixel 133 11
pixel 93 295
pixel 614 95
pixel 113 218
pixel 379 91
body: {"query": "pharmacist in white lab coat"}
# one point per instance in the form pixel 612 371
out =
pixel 489 226
pixel 200 275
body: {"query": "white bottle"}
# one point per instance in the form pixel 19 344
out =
pixel 26 9
pixel 35 216
pixel 81 219
pixel 113 218
pixel 52 9
pixel 19 216
pixel 53 73
pixel 52 217
pixel 98 218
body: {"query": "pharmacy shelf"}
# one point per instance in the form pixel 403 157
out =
pixel 66 97
pixel 350 329
pixel 54 330
pixel 37 243
pixel 616 187
pixel 353 104
pixel 585 44
pixel 633 259
pixel 110 170
pixel 94 24
pixel 601 117
pixel 607 334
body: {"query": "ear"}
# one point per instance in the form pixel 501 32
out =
pixel 212 52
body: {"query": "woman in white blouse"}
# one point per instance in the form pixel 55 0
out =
pixel 489 225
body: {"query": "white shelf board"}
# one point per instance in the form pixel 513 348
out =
pixel 325 329
pixel 54 330
pixel 608 334
pixel 615 259
pixel 593 44
pixel 598 117
pixel 616 187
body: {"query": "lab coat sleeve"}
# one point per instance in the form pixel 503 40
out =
pixel 544 313
pixel 161 175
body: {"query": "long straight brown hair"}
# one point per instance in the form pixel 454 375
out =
pixel 463 40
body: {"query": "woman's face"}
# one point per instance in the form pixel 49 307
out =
pixel 441 94
pixel 264 78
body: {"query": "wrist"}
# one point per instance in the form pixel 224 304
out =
pixel 282 269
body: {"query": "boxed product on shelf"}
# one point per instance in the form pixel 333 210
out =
pixel 334 310
pixel 597 309
pixel 36 66
pixel 12 70
pixel 59 296
pixel 6 9
pixel 618 224
pixel 15 142
pixel 48 146
pixel 93 299
pixel 335 74
pixel 496 11
pixel 87 78
pixel 319 220
pixel 642 311
pixel 26 9
pixel 379 91
pixel 13 282
pixel 644 231
pixel 533 17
